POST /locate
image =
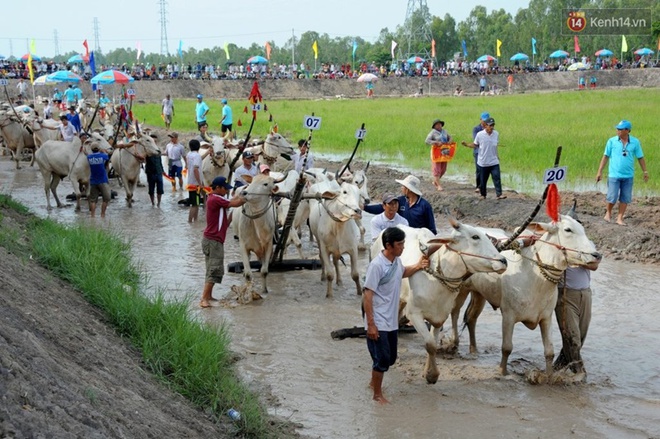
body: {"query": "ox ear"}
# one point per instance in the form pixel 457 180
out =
pixel 433 245
pixel 247 178
pixel 329 195
pixel 542 227
pixel 280 180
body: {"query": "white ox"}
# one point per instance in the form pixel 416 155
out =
pixel 527 291
pixel 331 225
pixel 269 150
pixel 57 159
pixel 359 179
pixel 430 295
pixel 215 164
pixel 126 162
pixel 16 137
pixel 43 130
pixel 255 222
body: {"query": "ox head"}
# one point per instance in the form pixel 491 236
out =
pixel 568 243
pixel 276 145
pixel 346 205
pixel 361 181
pixel 259 189
pixel 474 248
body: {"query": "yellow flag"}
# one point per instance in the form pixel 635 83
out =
pixel 29 62
pixel 499 44
pixel 227 49
pixel 624 44
pixel 315 47
pixel 33 48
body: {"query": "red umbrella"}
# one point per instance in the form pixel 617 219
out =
pixel 34 57
pixel 110 77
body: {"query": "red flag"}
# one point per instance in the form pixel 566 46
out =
pixel 86 49
pixel 433 48
pixel 268 49
pixel 240 124
pixel 245 109
pixel 576 44
pixel 552 203
pixel 255 96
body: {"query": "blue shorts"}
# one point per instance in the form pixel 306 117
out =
pixel 384 350
pixel 619 189
pixel 176 171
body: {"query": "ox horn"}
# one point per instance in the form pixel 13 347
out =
pixel 453 221
pixel 573 213
pixel 283 178
pixel 367 167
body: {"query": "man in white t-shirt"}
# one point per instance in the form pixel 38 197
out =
pixel 245 173
pixel 389 217
pixel 488 160
pixel 382 289
pixel 168 111
pixel 194 162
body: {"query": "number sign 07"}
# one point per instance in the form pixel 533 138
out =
pixel 312 122
pixel 554 175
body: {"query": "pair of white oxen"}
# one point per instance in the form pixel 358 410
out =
pixel 523 283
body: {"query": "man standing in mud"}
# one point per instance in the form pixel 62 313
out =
pixel 382 288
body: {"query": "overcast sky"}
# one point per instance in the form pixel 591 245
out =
pixel 205 23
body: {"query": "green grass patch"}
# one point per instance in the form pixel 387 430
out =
pixel 191 357
pixel 531 127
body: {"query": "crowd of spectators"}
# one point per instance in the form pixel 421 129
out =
pixel 230 71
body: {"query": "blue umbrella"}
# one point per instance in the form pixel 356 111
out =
pixel 34 57
pixel 63 76
pixel 257 60
pixel 644 51
pixel 483 58
pixel 604 52
pixel 559 54
pixel 415 60
pixel 519 57
pixel 78 59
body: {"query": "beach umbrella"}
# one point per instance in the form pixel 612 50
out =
pixel 43 80
pixel 110 77
pixel 559 54
pixel 78 59
pixel 257 60
pixel 34 57
pixel 644 51
pixel 576 66
pixel 64 76
pixel 367 77
pixel 519 57
pixel 415 60
pixel 483 58
pixel 604 52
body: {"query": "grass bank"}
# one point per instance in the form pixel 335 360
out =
pixel 531 127
pixel 190 357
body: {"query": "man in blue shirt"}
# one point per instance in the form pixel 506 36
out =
pixel 201 110
pixel 227 119
pixel 412 206
pixel 621 151
pixel 98 180
pixel 70 96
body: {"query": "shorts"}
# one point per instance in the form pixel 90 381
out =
pixel 176 171
pixel 384 350
pixel 102 189
pixel 167 118
pixel 193 198
pixel 155 181
pixel 619 189
pixel 226 128
pixel 214 256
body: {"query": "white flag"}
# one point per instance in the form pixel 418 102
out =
pixel 394 44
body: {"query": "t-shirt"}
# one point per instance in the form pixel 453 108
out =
pixel 487 148
pixel 577 278
pixel 242 171
pixel 68 132
pixel 194 161
pixel 386 295
pixel 200 109
pixel 227 115
pixel 70 95
pixel 622 166
pixel 168 106
pixel 97 167
pixel 216 218
pixel 175 153
pixel 381 222
pixel 297 159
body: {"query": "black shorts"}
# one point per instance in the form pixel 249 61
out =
pixel 384 350
pixel 226 128
pixel 193 198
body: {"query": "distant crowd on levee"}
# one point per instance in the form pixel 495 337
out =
pixel 303 70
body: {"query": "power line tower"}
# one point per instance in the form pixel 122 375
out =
pixel 11 48
pixel 97 46
pixel 163 29
pixel 418 29
pixel 56 43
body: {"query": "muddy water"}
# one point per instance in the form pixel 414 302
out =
pixel 285 344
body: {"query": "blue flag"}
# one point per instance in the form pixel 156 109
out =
pixel 354 47
pixel 92 66
pixel 533 46
pixel 464 48
pixel 180 47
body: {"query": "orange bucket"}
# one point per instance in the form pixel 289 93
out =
pixel 443 152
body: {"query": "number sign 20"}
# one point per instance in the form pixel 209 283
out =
pixel 554 175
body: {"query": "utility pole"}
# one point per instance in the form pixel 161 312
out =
pixel 293 46
pixel 56 43
pixel 11 48
pixel 97 47
pixel 164 50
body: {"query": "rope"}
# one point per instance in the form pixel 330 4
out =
pixel 259 213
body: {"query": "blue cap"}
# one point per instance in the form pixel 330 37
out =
pixel 624 125
pixel 199 96
pixel 485 115
pixel 220 181
pixel 224 101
